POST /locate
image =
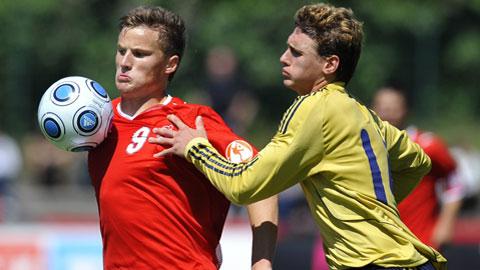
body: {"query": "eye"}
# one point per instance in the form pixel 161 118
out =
pixel 121 51
pixel 140 54
pixel 295 53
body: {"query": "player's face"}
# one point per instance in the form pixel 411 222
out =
pixel 302 67
pixel 391 107
pixel 142 68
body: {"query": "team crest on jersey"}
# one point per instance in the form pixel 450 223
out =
pixel 239 151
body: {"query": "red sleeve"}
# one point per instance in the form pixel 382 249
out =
pixel 229 144
pixel 442 161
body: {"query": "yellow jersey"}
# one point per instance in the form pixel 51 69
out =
pixel 353 168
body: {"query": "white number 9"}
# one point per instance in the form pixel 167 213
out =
pixel 138 140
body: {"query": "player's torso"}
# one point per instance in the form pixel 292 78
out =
pixel 350 190
pixel 355 161
pixel 153 205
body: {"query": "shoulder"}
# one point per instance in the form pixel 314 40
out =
pixel 188 112
pixel 429 139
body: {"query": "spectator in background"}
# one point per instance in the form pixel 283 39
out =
pixel 227 92
pixel 431 217
pixel 53 167
pixel 228 95
pixel 10 166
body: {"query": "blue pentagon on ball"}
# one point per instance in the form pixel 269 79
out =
pixel 63 92
pixel 99 89
pixel 52 128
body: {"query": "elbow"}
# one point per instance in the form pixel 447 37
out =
pixel 241 196
pixel 428 166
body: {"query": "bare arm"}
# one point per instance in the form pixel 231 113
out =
pixel 263 217
pixel 443 231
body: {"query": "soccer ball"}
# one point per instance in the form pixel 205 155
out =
pixel 75 114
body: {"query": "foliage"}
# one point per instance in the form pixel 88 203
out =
pixel 429 47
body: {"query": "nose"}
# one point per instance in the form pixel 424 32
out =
pixel 126 61
pixel 284 58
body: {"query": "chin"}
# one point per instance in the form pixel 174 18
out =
pixel 123 87
pixel 289 84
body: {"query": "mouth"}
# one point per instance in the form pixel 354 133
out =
pixel 285 73
pixel 123 78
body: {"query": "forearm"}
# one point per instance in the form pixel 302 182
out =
pixel 263 217
pixel 266 175
pixel 446 223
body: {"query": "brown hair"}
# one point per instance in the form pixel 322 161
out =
pixel 170 26
pixel 336 32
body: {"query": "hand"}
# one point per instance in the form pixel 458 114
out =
pixel 175 141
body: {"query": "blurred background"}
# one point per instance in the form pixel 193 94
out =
pixel 48 212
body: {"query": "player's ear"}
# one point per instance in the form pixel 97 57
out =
pixel 331 64
pixel 172 64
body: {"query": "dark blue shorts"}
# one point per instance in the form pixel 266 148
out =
pixel 425 266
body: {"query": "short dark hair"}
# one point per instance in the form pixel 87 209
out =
pixel 171 27
pixel 336 32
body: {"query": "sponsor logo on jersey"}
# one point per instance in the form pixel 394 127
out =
pixel 239 151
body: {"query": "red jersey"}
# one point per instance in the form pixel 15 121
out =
pixel 419 210
pixel 159 213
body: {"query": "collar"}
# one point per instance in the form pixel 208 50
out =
pixel 163 102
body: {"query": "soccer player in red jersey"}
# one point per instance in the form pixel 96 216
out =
pixel 163 213
pixel 422 211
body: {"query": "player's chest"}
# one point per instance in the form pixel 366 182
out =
pixel 131 142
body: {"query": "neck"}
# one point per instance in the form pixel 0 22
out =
pixel 318 85
pixel 135 106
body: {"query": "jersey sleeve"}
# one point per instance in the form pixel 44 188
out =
pixel 286 160
pixel 443 163
pixel 408 163
pixel 223 139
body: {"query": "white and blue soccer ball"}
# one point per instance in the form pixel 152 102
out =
pixel 75 114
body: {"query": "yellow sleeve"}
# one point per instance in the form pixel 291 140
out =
pixel 286 160
pixel 408 162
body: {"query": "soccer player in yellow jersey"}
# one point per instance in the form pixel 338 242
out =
pixel 353 167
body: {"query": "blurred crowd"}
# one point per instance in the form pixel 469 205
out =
pixel 32 170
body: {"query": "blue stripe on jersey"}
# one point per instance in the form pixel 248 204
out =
pixel 374 168
pixel 284 128
pixel 221 164
pixel 287 113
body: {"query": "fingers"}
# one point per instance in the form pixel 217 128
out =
pixel 163 153
pixel 165 142
pixel 161 140
pixel 164 132
pixel 176 121
pixel 199 123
